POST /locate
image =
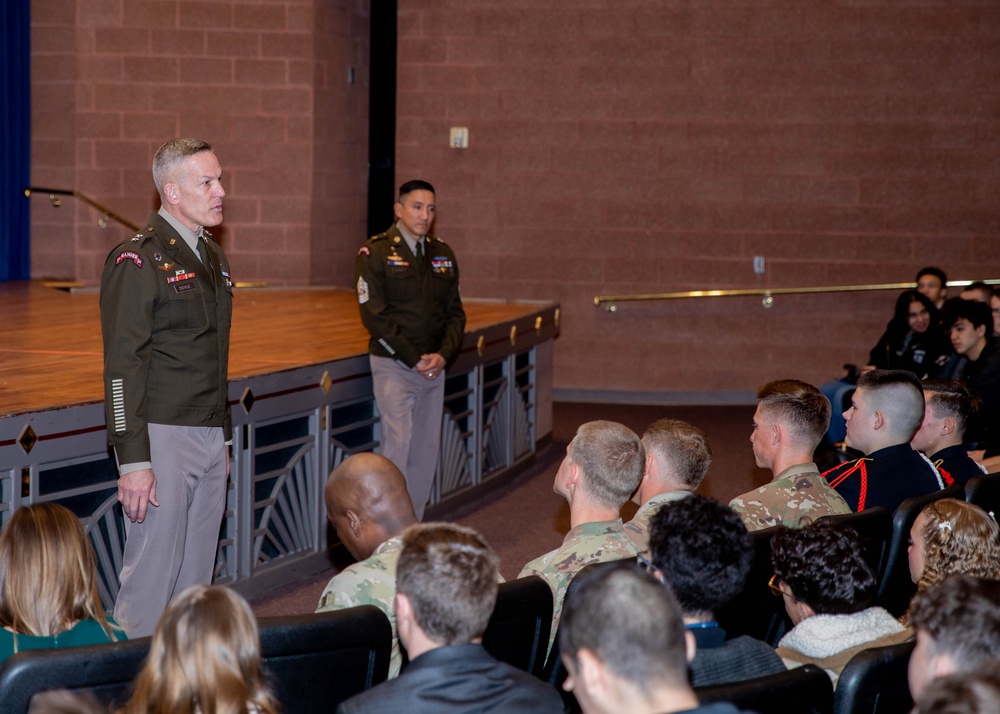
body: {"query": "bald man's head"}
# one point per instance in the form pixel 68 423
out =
pixel 367 503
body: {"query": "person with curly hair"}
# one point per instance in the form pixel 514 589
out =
pixel 828 586
pixel 204 659
pixel 951 536
pixel 700 548
pixel 48 584
pixel 977 693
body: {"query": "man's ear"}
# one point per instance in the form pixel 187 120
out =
pixel 170 193
pixel 573 478
pixel 878 420
pixel 775 433
pixel 690 645
pixel 948 426
pixel 397 209
pixel 354 521
pixel 590 673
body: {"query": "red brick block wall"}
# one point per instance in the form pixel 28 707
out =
pixel 643 146
pixel 264 82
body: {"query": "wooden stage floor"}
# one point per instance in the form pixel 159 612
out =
pixel 51 352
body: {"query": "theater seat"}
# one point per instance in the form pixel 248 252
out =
pixel 984 491
pixel 803 690
pixel 104 671
pixel 518 631
pixel 756 611
pixel 874 525
pixel 895 587
pixel 318 660
pixel 874 682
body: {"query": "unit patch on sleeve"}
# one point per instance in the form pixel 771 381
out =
pixel 129 255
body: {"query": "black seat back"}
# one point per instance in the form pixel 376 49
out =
pixel 895 587
pixel 803 690
pixel 874 526
pixel 518 631
pixel 104 671
pixel 984 491
pixel 874 682
pixel 316 661
pixel 756 611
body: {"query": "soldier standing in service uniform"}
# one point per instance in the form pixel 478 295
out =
pixel 166 310
pixel 407 283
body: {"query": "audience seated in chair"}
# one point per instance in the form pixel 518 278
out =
pixel 827 587
pixel 948 411
pixel 626 649
pixel 970 325
pixel 976 291
pixel 48 583
pixel 205 657
pixel 933 283
pixel 790 421
pixel 677 458
pixel 913 340
pixel 958 630
pixel 601 471
pixel 369 507
pixel 977 693
pixel 886 410
pixel 446 588
pixel 952 536
pixel 701 550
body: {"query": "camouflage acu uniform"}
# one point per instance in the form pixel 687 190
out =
pixel 588 543
pixel 796 497
pixel 370 582
pixel 637 529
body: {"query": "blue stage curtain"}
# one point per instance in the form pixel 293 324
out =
pixel 15 139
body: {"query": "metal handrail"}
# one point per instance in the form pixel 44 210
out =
pixel 610 301
pixel 54 193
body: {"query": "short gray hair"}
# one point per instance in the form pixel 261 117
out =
pixel 169 155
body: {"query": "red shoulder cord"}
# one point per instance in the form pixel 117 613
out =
pixel 862 470
pixel 948 478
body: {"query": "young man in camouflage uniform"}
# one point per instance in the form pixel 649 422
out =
pixel 790 421
pixel 602 468
pixel 677 458
pixel 368 505
pixel 949 409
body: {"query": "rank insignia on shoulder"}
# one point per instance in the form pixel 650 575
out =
pixel 137 237
pixel 363 250
pixel 172 241
pixel 362 291
pixel 129 255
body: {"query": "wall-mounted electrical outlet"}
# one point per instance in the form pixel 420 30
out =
pixel 758 264
pixel 459 137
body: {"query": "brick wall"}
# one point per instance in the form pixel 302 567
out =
pixel 264 82
pixel 644 146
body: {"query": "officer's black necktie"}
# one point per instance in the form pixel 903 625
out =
pixel 205 259
pixel 420 255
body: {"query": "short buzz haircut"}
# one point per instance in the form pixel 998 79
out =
pixel 962 617
pixel 171 154
pixel 951 398
pixel 612 460
pixel 977 313
pixel 823 566
pixel 798 406
pixel 984 290
pixel 683 448
pixel 449 574
pixel 415 185
pixel 899 395
pixel 936 272
pixel 703 549
pixel 631 623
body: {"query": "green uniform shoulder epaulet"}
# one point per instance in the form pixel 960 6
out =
pixel 435 238
pixel 131 244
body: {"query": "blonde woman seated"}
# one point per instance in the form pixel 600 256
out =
pixel 204 659
pixel 951 536
pixel 828 587
pixel 48 584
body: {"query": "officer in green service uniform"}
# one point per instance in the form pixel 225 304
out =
pixel 166 309
pixel 407 283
